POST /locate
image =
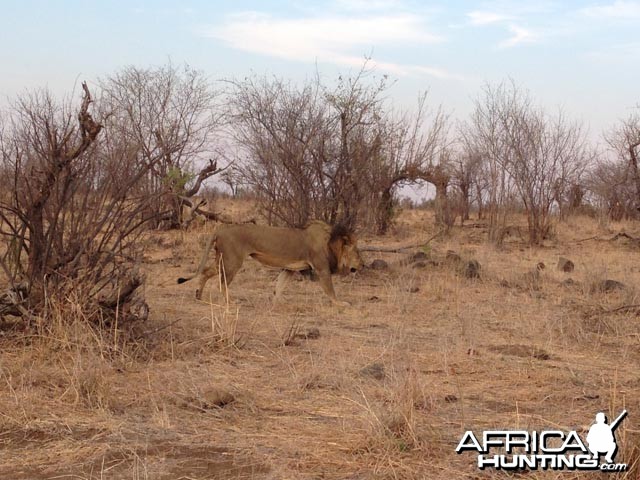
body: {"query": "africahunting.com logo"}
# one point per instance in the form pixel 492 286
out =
pixel 547 449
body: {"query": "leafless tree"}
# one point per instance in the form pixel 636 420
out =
pixel 612 189
pixel 284 134
pixel 483 135
pixel 414 147
pixel 69 220
pixel 624 139
pixel 356 111
pixel 316 152
pixel 528 149
pixel 467 180
pixel 170 117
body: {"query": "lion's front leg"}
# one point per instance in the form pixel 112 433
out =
pixel 327 286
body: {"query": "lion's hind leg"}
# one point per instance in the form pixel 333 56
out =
pixel 224 269
pixel 284 278
pixel 205 275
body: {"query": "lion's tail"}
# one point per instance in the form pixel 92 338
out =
pixel 203 260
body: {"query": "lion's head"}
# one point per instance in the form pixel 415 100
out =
pixel 343 250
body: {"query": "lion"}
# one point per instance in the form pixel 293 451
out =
pixel 318 248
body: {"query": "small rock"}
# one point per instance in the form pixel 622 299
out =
pixel 532 279
pixel 418 256
pixel 375 370
pixel 450 398
pixel 610 285
pixel 425 264
pixel 216 398
pixel 565 265
pixel 452 257
pixel 541 355
pixel 471 269
pixel 540 266
pixel 379 264
pixel 310 334
pixel 532 275
pixel 313 333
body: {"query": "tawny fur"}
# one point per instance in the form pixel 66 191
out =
pixel 317 247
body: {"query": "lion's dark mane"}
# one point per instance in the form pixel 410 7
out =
pixel 338 231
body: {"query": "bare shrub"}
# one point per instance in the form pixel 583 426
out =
pixel 69 223
pixel 414 148
pixel 535 153
pixel 167 118
pixel 331 153
pixel 611 189
pixel 624 139
pixel 614 182
pixel 466 179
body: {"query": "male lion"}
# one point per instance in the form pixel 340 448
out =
pixel 318 247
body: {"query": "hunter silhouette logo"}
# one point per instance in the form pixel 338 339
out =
pixel 547 449
pixel 600 437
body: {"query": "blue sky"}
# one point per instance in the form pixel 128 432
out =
pixel 581 55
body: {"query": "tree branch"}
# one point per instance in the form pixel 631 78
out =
pixel 208 171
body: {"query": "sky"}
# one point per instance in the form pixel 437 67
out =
pixel 581 56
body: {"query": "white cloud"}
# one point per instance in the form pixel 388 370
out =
pixel 293 38
pixel 368 5
pixel 335 39
pixel 519 35
pixel 620 9
pixel 487 18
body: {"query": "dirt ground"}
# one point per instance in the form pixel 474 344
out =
pixel 383 389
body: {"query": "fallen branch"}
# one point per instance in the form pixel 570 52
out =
pixel 123 294
pixel 209 215
pixel 156 330
pixel 622 235
pixel 12 303
pixel 372 248
pixel 212 215
pixel 623 308
pixel 595 237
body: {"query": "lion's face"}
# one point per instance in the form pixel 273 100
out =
pixel 349 259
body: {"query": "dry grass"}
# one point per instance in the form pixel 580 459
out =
pixel 250 390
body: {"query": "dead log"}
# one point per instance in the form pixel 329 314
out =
pixel 373 248
pixel 622 235
pixel 123 294
pixel 13 300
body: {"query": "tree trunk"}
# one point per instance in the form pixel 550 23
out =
pixel 464 208
pixel 41 236
pixel 443 213
pixel 633 155
pixel 480 203
pixel 385 212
